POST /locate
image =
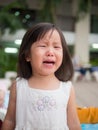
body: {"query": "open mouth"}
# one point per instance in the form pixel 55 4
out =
pixel 49 62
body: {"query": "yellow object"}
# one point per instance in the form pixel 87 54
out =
pixel 88 115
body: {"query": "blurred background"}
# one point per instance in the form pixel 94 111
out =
pixel 78 20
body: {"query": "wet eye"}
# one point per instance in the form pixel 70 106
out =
pixel 57 47
pixel 42 46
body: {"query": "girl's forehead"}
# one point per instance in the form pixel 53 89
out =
pixel 51 34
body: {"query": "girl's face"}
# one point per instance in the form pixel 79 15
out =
pixel 46 54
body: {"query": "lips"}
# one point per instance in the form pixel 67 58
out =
pixel 49 62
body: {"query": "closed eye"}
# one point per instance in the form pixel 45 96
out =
pixel 42 45
pixel 57 46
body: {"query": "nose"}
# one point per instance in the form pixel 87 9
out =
pixel 50 52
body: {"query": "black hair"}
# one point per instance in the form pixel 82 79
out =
pixel 64 72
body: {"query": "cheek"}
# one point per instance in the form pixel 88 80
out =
pixel 36 58
pixel 60 58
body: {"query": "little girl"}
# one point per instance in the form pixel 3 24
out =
pixel 42 98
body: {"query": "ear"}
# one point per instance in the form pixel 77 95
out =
pixel 27 56
pixel 27 59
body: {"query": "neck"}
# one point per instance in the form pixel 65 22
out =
pixel 44 82
pixel 44 79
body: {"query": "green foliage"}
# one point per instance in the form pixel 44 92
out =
pixel 9 20
pixel 94 62
pixel 48 12
pixel 7 62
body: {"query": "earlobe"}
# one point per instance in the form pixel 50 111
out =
pixel 27 59
pixel 27 56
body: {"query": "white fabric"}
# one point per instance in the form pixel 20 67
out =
pixel 2 113
pixel 41 109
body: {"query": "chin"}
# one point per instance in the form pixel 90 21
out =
pixel 47 74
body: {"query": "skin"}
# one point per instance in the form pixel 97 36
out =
pixel 49 54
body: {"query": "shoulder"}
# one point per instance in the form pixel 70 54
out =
pixel 67 87
pixel 21 86
pixel 16 86
pixel 20 80
pixel 67 84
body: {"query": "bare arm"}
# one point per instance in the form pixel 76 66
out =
pixel 9 121
pixel 73 120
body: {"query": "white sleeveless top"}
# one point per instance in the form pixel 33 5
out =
pixel 38 109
